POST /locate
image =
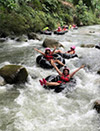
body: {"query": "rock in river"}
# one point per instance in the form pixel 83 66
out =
pixel 51 43
pixel 34 36
pixel 14 74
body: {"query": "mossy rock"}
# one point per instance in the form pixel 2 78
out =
pixel 33 36
pixel 14 74
pixel 51 43
pixel 87 46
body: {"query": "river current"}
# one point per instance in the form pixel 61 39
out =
pixel 29 107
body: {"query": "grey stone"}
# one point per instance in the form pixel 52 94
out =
pixel 14 74
pixel 51 43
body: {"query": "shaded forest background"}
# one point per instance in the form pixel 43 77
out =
pixel 22 16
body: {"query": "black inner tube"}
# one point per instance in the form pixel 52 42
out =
pixel 67 56
pixel 46 64
pixel 63 86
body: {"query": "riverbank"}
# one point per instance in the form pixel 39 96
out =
pixel 32 16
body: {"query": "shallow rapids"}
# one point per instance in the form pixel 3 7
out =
pixel 29 107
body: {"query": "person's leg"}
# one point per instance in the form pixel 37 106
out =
pixel 44 82
pixel 59 62
pixel 52 63
pixel 52 83
pixel 41 82
pixel 58 51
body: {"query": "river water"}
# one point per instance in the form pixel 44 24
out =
pixel 29 107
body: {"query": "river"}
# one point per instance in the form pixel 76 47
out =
pixel 29 107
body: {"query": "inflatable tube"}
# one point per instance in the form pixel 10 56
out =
pixel 46 32
pixel 66 30
pixel 68 56
pixel 46 64
pixel 59 33
pixel 69 86
pixel 75 28
pixel 97 46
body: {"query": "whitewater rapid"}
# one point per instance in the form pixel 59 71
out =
pixel 29 107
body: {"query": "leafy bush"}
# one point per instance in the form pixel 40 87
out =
pixel 21 16
pixel 13 23
pixel 9 4
pixel 85 15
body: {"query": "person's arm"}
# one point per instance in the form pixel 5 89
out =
pixel 71 75
pixel 71 52
pixel 59 72
pixel 39 51
pixel 54 50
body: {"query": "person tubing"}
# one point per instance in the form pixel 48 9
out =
pixel 72 49
pixel 64 78
pixel 48 56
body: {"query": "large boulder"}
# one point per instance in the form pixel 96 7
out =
pixel 33 36
pixel 51 43
pixel 97 105
pixel 14 74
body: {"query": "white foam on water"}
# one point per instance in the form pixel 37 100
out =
pixel 4 63
pixel 43 110
pixel 38 109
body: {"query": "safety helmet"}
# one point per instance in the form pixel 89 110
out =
pixel 47 49
pixel 59 27
pixel 73 47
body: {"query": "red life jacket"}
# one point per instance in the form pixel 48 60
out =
pixel 48 56
pixel 64 79
pixel 74 26
pixel 64 29
pixel 59 30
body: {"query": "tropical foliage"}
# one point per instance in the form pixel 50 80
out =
pixel 21 16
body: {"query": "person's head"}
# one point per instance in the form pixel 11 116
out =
pixel 72 47
pixel 59 28
pixel 47 51
pixel 66 71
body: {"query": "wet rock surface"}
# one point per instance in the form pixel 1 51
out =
pixel 14 74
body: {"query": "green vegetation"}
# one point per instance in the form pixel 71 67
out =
pixel 22 16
